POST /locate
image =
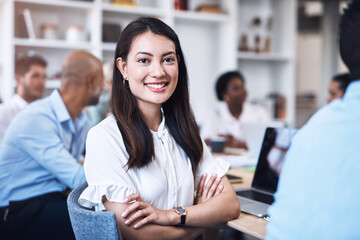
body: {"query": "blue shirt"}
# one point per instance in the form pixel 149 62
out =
pixel 40 151
pixel 318 195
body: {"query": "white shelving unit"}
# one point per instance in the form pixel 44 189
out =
pixel 273 71
pixel 209 42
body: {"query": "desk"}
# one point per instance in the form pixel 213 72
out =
pixel 247 223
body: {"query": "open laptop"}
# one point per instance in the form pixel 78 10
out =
pixel 260 196
pixel 254 133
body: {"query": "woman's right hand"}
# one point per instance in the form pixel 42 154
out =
pixel 211 189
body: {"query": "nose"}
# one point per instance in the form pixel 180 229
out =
pixel 157 70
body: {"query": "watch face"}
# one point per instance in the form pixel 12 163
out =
pixel 181 210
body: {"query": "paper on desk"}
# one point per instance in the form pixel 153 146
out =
pixel 238 161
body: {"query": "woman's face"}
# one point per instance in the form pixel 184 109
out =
pixel 235 92
pixel 151 69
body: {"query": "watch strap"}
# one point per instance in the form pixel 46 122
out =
pixel 182 220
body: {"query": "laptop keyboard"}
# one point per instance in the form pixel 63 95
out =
pixel 257 196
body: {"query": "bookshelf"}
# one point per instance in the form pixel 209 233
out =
pixel 209 41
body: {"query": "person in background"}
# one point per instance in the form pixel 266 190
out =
pixel 30 76
pixel 319 187
pixel 100 111
pixel 338 85
pixel 144 162
pixel 228 117
pixel 40 152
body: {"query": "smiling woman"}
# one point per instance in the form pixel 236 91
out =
pixel 144 162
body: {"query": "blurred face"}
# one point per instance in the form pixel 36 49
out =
pixel 151 69
pixel 235 94
pixel 32 84
pixel 97 88
pixel 334 91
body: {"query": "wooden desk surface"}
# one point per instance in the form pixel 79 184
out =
pixel 247 223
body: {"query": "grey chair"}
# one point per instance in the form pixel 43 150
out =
pixel 88 224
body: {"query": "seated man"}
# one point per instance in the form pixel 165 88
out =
pixel 319 187
pixel 338 85
pixel 40 152
pixel 30 75
pixel 227 119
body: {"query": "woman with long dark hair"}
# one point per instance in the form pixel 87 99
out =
pixel 144 162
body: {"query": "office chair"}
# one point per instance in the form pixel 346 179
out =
pixel 88 224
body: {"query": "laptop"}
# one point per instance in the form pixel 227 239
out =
pixel 256 199
pixel 254 133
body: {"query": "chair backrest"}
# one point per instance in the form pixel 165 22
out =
pixel 88 224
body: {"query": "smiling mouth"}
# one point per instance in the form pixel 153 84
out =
pixel 156 86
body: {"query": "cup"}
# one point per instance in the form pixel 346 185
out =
pixel 74 33
pixel 49 31
pixel 217 144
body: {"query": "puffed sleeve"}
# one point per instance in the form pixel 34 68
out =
pixel 210 165
pixel 105 168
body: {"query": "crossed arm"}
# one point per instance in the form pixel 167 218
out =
pixel 217 204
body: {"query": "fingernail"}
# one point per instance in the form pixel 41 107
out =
pixel 204 175
pixel 136 226
pixel 218 179
pixel 127 222
pixel 214 174
pixel 221 186
pixel 126 199
pixel 123 214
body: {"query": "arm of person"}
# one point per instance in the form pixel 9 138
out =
pixel 160 228
pixel 39 137
pixel 216 210
pixel 233 142
pixel 151 230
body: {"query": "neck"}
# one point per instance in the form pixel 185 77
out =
pixel 152 116
pixel 23 96
pixel 235 110
pixel 73 102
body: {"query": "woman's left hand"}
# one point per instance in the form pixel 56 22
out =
pixel 145 211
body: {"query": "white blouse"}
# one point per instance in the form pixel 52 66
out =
pixel 167 181
pixel 222 122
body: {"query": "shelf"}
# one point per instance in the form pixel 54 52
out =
pixel 201 16
pixel 133 10
pixel 68 4
pixel 276 57
pixel 51 83
pixel 42 43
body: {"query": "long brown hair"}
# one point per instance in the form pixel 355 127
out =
pixel 179 117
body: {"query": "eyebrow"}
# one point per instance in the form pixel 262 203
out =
pixel 165 54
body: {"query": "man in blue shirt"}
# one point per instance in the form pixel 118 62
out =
pixel 318 196
pixel 40 153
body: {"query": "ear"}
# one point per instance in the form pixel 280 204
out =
pixel 18 78
pixel 121 65
pixel 90 81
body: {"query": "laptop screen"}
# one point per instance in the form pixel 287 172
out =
pixel 271 158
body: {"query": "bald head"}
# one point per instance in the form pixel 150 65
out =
pixel 82 81
pixel 78 65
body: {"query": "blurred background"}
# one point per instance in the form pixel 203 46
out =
pixel 286 49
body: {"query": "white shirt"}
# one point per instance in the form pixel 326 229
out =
pixel 167 181
pixel 221 122
pixel 8 111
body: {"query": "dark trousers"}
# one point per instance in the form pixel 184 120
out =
pixel 41 217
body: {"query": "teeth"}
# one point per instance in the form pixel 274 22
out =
pixel 157 86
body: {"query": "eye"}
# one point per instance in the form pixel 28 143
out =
pixel 143 60
pixel 169 60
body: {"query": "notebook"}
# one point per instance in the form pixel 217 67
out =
pixel 256 199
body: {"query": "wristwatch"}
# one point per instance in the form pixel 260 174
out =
pixel 182 212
